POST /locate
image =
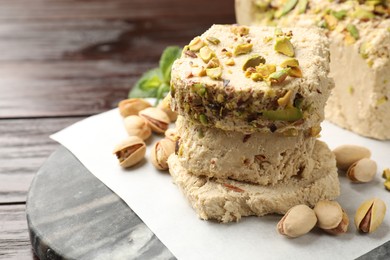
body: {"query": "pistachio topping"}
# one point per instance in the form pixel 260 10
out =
pixel 353 31
pixel 288 114
pixel 253 61
pixel 290 62
pixel 196 44
pixel 239 29
pixel 214 73
pixel 213 63
pixel 295 72
pixel 265 70
pixel 242 49
pixel 203 119
pixel 284 46
pixel 302 6
pixel 286 99
pixel 230 62
pixel 288 6
pixel 279 76
pixel 206 54
pixel 339 15
pixel 213 40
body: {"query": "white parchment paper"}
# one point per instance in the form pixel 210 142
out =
pixel 160 204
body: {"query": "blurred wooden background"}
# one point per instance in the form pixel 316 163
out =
pixel 64 60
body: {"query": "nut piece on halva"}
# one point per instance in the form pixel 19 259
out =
pixel 331 217
pixel 132 106
pixel 137 126
pixel 298 221
pixel 130 151
pixel 157 119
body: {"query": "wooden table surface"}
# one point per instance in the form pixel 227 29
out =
pixel 64 60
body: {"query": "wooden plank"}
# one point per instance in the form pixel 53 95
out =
pixel 14 239
pixel 25 145
pixel 113 9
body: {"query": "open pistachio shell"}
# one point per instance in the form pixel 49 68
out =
pixel 160 153
pixel 347 154
pixel 363 170
pixel 329 214
pixel 158 120
pixel 369 215
pixel 298 221
pixel 130 151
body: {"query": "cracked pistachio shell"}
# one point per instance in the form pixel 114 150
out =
pixel 160 153
pixel 171 134
pixel 347 154
pixel 137 126
pixel 363 170
pixel 130 151
pixel 132 106
pixel 165 105
pixel 369 215
pixel 157 119
pixel 298 221
pixel 331 217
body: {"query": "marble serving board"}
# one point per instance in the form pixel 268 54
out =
pixel 73 215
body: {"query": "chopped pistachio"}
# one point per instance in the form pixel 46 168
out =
pixel 290 62
pixel 213 63
pixel 386 174
pixel 242 49
pixel 286 99
pixel 203 119
pixel 382 100
pixel 284 46
pixel 220 98
pixel 315 131
pixel 214 73
pixel 339 15
pixel 302 6
pixel 295 72
pixel 239 30
pixel 353 31
pixel 349 40
pixel 249 72
pixel 256 77
pixel 267 39
pixel 288 6
pixel 278 32
pixel 279 76
pixel 199 88
pixel 266 70
pixel 213 40
pixel 387 185
pixel 200 133
pixel 363 50
pixel 370 63
pixel 288 114
pixel 362 14
pixel 331 21
pixel 206 54
pixel 253 61
pixel 196 44
pixel 351 90
pixel 230 62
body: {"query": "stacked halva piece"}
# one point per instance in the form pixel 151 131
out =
pixel 359 32
pixel 250 102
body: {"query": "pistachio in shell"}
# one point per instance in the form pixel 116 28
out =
pixel 331 217
pixel 165 105
pixel 132 106
pixel 137 126
pixel 130 151
pixel 298 221
pixel 369 215
pixel 160 153
pixel 157 119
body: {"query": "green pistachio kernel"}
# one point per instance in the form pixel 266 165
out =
pixel 203 119
pixel 295 72
pixel 363 50
pixel 256 77
pixel 278 32
pixel 288 114
pixel 284 46
pixel 266 69
pixel 288 6
pixel 200 133
pixel 220 98
pixel 279 76
pixel 196 44
pixel 199 88
pixel 253 61
pixel 382 100
pixel 340 15
pixel 290 62
pixel 213 40
pixel 239 30
pixel 206 54
pixel 214 73
pixel 213 63
pixel 302 6
pixel 353 31
pixel 362 14
pixel 386 174
pixel 331 21
pixel 242 49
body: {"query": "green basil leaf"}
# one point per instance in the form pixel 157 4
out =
pixel 169 55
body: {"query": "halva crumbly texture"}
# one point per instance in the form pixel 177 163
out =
pixel 253 79
pixel 257 158
pixel 227 200
pixel 359 32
